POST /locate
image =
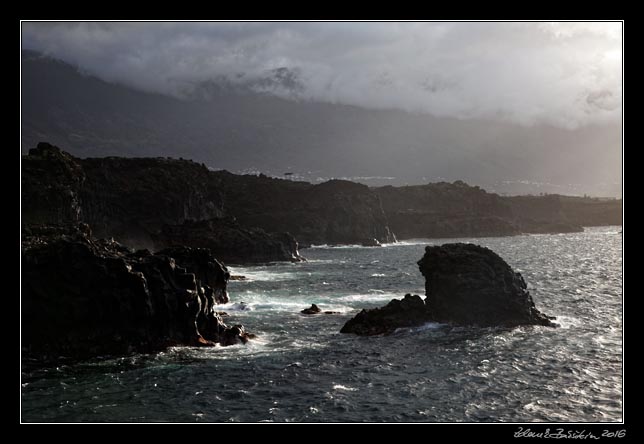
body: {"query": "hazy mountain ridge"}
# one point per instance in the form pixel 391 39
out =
pixel 237 129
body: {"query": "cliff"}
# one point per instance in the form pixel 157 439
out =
pixel 333 212
pixel 585 211
pixel 154 203
pixel 158 202
pixel 143 203
pixel 444 210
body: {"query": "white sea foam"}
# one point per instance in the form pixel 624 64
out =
pixel 567 322
pixel 262 275
pixel 370 297
pixel 410 242
pixel 344 388
pixel 254 304
pixel 337 247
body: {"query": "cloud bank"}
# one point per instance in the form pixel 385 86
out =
pixel 562 74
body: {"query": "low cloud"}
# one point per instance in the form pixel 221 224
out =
pixel 563 74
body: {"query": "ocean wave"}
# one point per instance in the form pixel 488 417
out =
pixel 262 275
pixel 367 297
pixel 338 247
pixel 424 327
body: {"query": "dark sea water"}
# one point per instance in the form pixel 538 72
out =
pixel 301 369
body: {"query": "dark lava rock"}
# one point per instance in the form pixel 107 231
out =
pixel 209 274
pixel 230 242
pixel 334 212
pixel 408 312
pixel 465 285
pixel 148 203
pixel 442 210
pixel 51 184
pixel 84 297
pixel 371 243
pixel 313 309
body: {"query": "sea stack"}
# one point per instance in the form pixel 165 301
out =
pixel 465 284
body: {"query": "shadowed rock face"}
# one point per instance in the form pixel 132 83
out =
pixel 51 184
pixel 83 297
pixel 154 203
pixel 468 284
pixel 408 312
pixel 230 242
pixel 465 284
pixel 150 203
pixel 444 210
pixel 333 212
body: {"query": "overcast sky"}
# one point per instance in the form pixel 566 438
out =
pixel 565 74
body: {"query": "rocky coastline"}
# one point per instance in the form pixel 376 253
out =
pixel 158 202
pixel 124 255
pixel 452 210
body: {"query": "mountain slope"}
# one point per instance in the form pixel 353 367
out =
pixel 241 130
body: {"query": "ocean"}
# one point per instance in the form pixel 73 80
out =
pixel 301 369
